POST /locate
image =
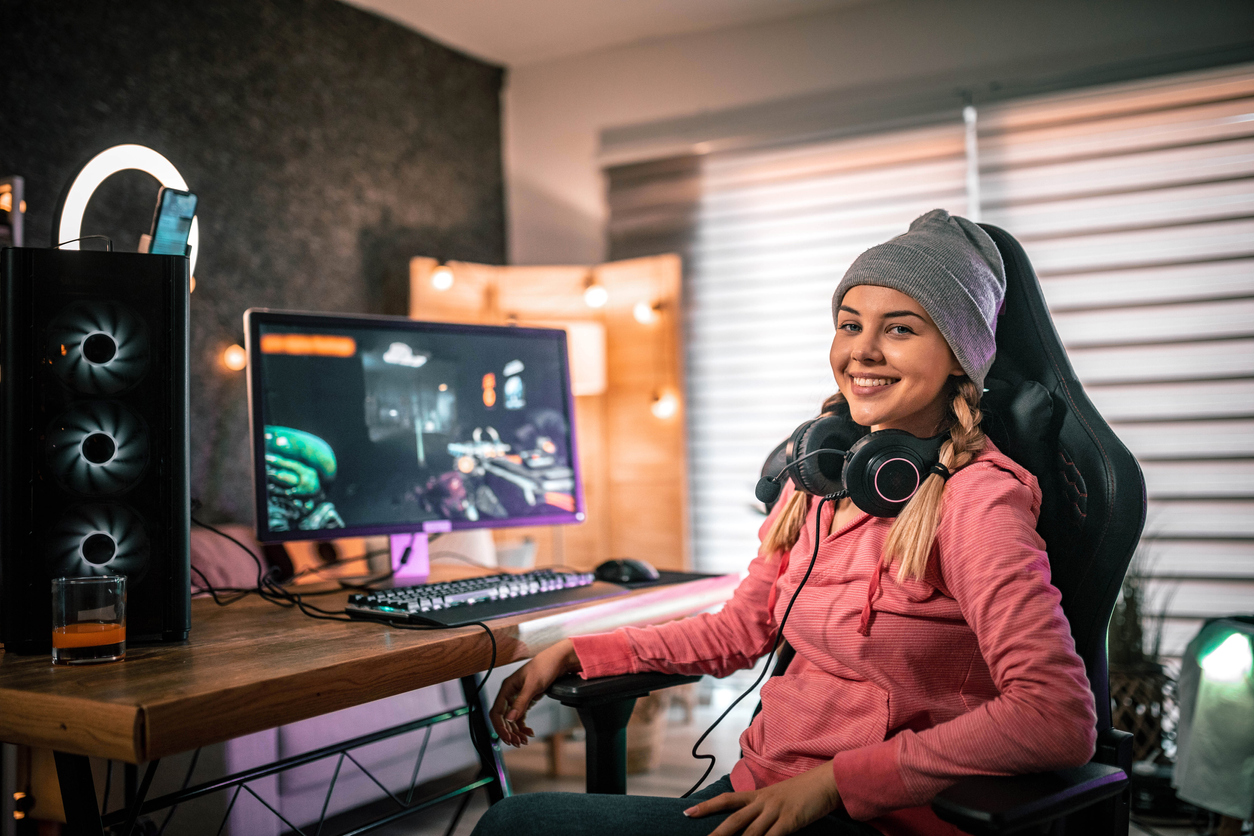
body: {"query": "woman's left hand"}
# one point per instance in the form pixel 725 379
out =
pixel 776 810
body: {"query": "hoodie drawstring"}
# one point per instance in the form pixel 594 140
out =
pixel 864 624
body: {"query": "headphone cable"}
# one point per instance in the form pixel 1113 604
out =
pixel 779 636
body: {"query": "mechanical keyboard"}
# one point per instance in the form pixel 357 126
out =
pixel 458 603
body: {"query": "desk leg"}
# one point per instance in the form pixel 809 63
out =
pixel 78 795
pixel 486 742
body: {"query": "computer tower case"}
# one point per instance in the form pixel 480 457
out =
pixel 94 439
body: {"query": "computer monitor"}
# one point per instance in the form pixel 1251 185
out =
pixel 365 425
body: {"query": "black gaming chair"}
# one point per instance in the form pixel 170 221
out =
pixel 1092 513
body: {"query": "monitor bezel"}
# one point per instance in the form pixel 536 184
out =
pixel 255 318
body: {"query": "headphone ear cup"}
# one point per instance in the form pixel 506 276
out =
pixel 821 475
pixel 886 468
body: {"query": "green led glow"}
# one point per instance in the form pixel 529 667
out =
pixel 1230 662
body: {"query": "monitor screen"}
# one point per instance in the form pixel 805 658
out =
pixel 382 425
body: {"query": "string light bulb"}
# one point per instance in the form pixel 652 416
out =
pixel 665 405
pixel 235 358
pixel 594 294
pixel 442 277
pixel 646 313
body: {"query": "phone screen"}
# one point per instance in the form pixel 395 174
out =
pixel 170 228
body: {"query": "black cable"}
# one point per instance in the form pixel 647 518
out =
pixel 213 591
pixel 491 661
pixel 108 241
pixel 314 570
pixel 187 779
pixel 779 635
pixel 271 591
pixel 104 805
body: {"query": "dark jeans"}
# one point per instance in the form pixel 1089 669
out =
pixel 576 814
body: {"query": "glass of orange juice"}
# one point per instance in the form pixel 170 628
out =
pixel 88 619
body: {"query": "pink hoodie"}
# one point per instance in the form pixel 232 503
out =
pixel 903 687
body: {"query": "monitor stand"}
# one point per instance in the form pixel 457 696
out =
pixel 412 549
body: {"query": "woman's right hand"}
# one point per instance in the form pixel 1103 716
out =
pixel 524 687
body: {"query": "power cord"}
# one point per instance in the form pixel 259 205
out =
pixel 108 241
pixel 187 779
pixel 269 590
pixel 779 636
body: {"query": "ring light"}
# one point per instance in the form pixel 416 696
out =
pixel 109 162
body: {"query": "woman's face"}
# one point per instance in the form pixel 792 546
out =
pixel 891 362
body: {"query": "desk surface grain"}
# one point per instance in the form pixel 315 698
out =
pixel 253 666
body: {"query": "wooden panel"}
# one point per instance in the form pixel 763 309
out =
pixel 644 451
pixel 650 523
pixel 616 432
pixel 71 720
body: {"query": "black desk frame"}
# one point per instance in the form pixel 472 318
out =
pixel 78 791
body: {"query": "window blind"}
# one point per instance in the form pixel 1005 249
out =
pixel 766 236
pixel 1135 203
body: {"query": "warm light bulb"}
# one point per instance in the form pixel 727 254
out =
pixel 442 277
pixel 192 288
pixel 645 313
pixel 595 295
pixel 665 406
pixel 235 358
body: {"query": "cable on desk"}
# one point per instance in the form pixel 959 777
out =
pixel 269 590
pixel 108 241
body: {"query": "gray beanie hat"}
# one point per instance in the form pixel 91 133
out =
pixel 952 268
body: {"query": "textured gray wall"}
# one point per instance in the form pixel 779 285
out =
pixel 327 147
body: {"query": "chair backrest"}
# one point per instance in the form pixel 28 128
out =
pixel 1093 506
pixel 1093 493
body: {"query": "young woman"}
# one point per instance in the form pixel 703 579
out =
pixel 929 647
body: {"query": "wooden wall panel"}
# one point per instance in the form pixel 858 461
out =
pixel 633 464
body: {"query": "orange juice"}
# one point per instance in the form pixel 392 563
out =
pixel 89 641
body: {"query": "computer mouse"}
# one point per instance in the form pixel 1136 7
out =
pixel 628 570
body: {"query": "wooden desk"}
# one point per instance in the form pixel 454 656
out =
pixel 253 666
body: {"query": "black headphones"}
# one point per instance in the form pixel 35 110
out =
pixel 832 456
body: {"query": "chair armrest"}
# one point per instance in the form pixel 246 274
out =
pixel 605 705
pixel 1114 748
pixel 575 691
pixel 985 804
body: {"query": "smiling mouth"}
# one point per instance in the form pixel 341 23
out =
pixel 873 381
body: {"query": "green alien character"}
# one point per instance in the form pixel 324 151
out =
pixel 298 464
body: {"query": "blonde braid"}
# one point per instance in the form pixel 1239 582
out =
pixel 786 530
pixel 911 536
